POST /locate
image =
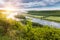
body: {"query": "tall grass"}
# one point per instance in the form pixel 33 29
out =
pixel 15 30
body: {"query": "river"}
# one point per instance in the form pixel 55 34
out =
pixel 45 22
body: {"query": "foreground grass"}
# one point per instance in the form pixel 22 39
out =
pixel 37 33
pixel 46 15
pixel 18 31
pixel 15 30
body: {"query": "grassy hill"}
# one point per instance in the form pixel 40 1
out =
pixel 46 15
pixel 15 30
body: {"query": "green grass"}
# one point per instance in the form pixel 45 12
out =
pixel 46 15
pixel 15 30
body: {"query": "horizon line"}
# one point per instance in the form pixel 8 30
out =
pixel 32 9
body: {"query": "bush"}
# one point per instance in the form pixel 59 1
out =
pixel 20 16
pixel 14 30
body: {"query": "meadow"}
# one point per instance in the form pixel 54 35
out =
pixel 46 15
pixel 26 30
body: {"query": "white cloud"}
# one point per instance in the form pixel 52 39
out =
pixel 19 4
pixel 40 3
pixel 13 3
pixel 41 9
pixel 1 2
pixel 31 4
pixel 51 2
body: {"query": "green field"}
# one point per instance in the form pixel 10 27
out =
pixel 26 30
pixel 46 15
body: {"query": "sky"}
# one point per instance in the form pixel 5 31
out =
pixel 31 4
pixel 41 3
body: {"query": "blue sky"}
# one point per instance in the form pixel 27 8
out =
pixel 31 4
pixel 41 3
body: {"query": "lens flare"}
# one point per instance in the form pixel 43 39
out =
pixel 10 7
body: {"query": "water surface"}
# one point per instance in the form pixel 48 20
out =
pixel 45 22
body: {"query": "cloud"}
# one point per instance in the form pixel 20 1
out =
pixel 13 3
pixel 31 4
pixel 51 2
pixel 42 3
pixel 19 4
pixel 41 9
pixel 1 2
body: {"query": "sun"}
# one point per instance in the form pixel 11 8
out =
pixel 11 7
pixel 9 11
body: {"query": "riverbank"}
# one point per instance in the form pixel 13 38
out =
pixel 14 30
pixel 46 15
pixel 44 22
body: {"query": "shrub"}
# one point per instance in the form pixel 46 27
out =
pixel 20 16
pixel 15 30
